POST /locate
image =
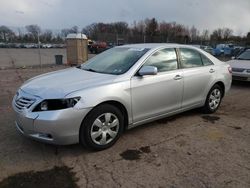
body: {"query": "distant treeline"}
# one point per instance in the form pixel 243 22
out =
pixel 148 30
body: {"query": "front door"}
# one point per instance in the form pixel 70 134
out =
pixel 155 95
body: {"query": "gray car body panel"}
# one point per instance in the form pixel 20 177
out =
pixel 145 98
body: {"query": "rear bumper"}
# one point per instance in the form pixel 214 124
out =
pixel 59 127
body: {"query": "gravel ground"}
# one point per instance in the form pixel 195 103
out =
pixel 187 150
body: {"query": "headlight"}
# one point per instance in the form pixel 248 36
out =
pixel 56 104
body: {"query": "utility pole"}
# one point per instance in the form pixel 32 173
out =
pixel 39 51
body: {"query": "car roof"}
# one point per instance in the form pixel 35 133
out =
pixel 156 45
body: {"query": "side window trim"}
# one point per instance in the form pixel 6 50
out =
pixel 178 58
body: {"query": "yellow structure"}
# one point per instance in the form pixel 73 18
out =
pixel 77 48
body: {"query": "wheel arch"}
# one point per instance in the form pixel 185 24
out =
pixel 117 104
pixel 222 85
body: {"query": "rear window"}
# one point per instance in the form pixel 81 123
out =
pixel 190 58
pixel 206 61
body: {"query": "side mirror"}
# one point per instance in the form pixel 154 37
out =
pixel 148 70
pixel 233 58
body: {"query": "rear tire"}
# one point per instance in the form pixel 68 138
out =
pixel 102 127
pixel 213 99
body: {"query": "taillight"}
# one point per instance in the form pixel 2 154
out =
pixel 230 70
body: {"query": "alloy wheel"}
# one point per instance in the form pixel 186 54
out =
pixel 104 129
pixel 214 99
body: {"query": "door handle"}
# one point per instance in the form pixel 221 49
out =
pixel 211 70
pixel 177 77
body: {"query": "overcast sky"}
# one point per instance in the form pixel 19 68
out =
pixel 58 14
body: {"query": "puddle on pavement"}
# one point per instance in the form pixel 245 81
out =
pixel 145 149
pixel 211 119
pixel 131 154
pixel 134 154
pixel 57 177
pixel 236 127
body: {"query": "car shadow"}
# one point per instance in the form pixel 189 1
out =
pixel 166 120
pixel 240 84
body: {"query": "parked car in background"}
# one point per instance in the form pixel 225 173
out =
pixel 218 50
pixel 241 66
pixel 90 42
pixel 119 89
pixel 208 49
pixel 97 47
pixel 226 50
pixel 229 49
pixel 30 45
pixel 47 46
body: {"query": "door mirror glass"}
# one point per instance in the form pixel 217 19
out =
pixel 148 70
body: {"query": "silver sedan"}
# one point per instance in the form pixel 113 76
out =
pixel 119 89
pixel 241 66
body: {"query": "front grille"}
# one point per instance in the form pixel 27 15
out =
pixel 23 103
pixel 240 78
pixel 238 69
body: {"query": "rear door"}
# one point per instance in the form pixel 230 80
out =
pixel 198 73
pixel 156 95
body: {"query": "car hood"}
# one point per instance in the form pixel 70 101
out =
pixel 239 63
pixel 60 83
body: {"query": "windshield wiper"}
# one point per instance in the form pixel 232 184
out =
pixel 91 70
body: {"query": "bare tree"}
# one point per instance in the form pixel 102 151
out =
pixel 46 36
pixel 138 28
pixel 248 35
pixel 120 27
pixel 248 39
pixel 165 30
pixel 151 26
pixel 6 34
pixel 194 33
pixel 74 29
pixel 227 33
pixel 65 32
pixel 205 35
pixel 33 29
pixel 217 35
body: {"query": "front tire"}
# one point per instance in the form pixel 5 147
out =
pixel 213 99
pixel 102 127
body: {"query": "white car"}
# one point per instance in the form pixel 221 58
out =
pixel 241 66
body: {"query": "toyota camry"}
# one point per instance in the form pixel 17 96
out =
pixel 119 89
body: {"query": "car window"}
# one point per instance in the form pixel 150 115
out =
pixel 190 58
pixel 206 61
pixel 164 60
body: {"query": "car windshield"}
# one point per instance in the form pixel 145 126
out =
pixel 114 61
pixel 244 56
